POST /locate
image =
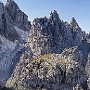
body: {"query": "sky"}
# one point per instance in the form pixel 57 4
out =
pixel 80 9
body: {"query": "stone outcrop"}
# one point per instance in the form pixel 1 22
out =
pixel 18 17
pixel 11 16
pixel 13 35
pixel 51 35
pixel 49 72
pixel 6 29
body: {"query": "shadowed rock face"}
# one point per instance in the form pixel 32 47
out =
pixel 51 35
pixel 12 37
pixel 88 71
pixel 5 88
pixel 19 18
pixel 6 29
pixel 85 48
pixel 10 16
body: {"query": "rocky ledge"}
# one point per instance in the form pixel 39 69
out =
pixel 50 72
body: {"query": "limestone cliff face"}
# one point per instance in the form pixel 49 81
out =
pixel 50 72
pixel 51 35
pixel 12 37
pixel 6 29
pixel 10 17
pixel 18 17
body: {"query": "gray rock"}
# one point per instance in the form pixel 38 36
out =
pixel 51 35
pixel 19 18
pixel 6 29
pixel 49 72
pixel 12 38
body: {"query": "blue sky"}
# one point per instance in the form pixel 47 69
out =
pixel 80 9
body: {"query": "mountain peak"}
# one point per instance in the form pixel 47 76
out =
pixel 73 22
pixel 73 19
pixel 54 15
pixel 9 0
pixel 54 12
pixel 11 4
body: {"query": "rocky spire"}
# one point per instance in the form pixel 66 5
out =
pixel 11 8
pixel 11 3
pixel 54 15
pixel 73 19
pixel 74 22
pixel 9 0
pixel 19 18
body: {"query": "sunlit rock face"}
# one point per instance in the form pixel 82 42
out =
pixel 49 72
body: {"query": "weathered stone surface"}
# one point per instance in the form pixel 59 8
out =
pixel 49 72
pixel 6 29
pixel 10 17
pixel 19 18
pixel 12 39
pixel 64 68
pixel 88 71
pixel 51 35
pixel 84 47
